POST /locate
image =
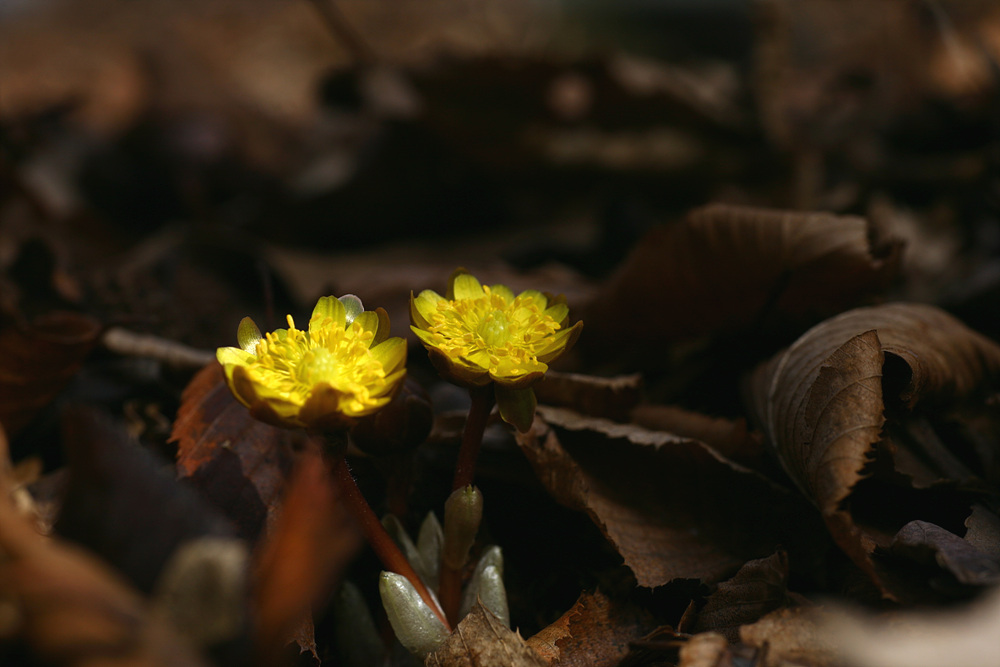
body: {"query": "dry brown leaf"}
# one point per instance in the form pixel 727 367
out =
pixel 926 543
pixel 70 609
pixel 726 268
pixel 821 404
pixel 313 540
pixel 595 631
pixel 122 505
pixel 759 587
pixel 729 437
pixel 235 461
pixel 611 398
pixel 983 530
pixel 671 506
pixel 480 639
pixel 792 637
pixel 38 362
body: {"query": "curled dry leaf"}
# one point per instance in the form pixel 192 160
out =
pixel 235 461
pixel 69 609
pixel 672 507
pixel 727 268
pixel 595 632
pixel 481 639
pixel 38 361
pixel 822 402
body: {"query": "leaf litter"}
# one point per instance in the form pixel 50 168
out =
pixel 776 443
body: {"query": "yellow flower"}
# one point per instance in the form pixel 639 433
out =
pixel 480 334
pixel 343 367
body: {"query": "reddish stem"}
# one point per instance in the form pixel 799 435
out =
pixel 385 548
pixel 450 591
pixel 472 437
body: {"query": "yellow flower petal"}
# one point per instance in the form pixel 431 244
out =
pixel 559 312
pixel 465 286
pixel 534 298
pixel 328 310
pixel 229 356
pixel 383 330
pixel 391 354
pixel 560 343
pixel 503 292
pixel 368 321
pixel 424 306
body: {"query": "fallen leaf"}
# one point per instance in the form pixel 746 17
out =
pixel 594 632
pixel 481 639
pixel 729 437
pixel 238 463
pixel 672 507
pixel 793 637
pixel 983 530
pixel 926 543
pixel 70 609
pixel 611 398
pixel 725 269
pixel 121 504
pixel 757 588
pixel 822 404
pixel 313 540
pixel 38 361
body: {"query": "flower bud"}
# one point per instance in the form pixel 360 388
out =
pixel 486 585
pixel 429 543
pixel 463 512
pixel 395 528
pixel 416 625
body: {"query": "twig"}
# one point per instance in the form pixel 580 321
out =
pixel 130 344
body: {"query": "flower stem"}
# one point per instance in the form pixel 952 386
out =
pixel 450 586
pixel 450 592
pixel 387 551
pixel 472 437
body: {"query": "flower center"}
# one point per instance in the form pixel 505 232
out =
pixel 318 365
pixel 495 329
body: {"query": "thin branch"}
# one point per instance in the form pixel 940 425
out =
pixel 130 344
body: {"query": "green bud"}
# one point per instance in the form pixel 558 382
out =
pixel 429 543
pixel 397 532
pixel 486 585
pixel 203 589
pixel 416 625
pixel 463 512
